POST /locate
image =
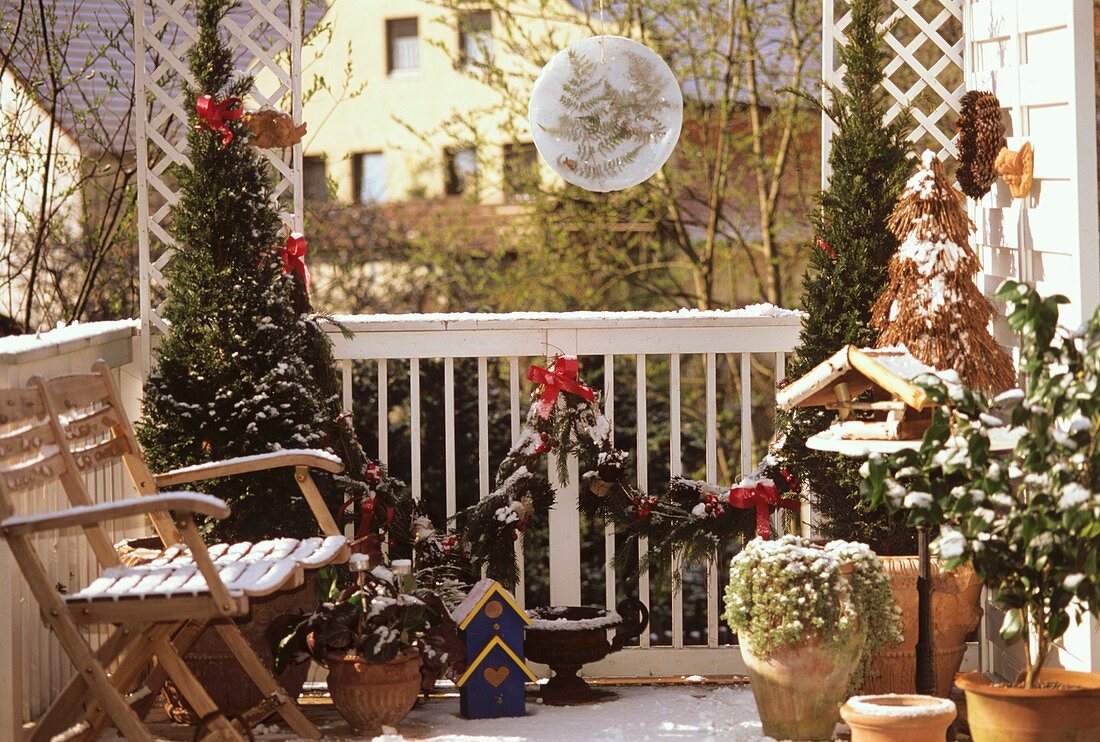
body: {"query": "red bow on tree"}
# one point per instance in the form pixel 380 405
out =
pixel 561 376
pixel 213 115
pixel 294 256
pixel 762 496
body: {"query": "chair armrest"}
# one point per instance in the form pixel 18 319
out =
pixel 310 457
pixel 189 502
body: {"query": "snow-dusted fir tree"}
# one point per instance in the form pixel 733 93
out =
pixel 234 375
pixel 931 304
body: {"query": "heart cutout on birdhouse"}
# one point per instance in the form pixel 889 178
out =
pixel 495 676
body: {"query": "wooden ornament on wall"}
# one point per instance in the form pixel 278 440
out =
pixel 1017 168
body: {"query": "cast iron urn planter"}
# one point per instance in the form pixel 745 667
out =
pixel 568 637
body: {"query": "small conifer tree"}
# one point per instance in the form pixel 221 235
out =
pixel 242 369
pixel 869 164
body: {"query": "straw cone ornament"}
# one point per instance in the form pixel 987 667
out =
pixel 931 304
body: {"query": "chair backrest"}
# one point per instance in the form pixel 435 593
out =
pixel 30 454
pixel 36 450
pixel 98 433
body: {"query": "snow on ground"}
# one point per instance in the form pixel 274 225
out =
pixel 639 713
pixel 703 713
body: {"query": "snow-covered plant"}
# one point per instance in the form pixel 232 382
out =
pixel 788 592
pixel 377 621
pixel 1028 519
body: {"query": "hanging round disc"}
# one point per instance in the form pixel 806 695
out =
pixel 606 113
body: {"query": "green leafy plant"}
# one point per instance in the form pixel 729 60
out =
pixel 788 592
pixel 1028 519
pixel 377 620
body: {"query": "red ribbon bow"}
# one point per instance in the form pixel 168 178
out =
pixel 213 115
pixel 762 496
pixel 561 376
pixel 294 256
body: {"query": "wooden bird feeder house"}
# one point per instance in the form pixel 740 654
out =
pixel 873 391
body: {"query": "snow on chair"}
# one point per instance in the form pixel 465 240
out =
pixel 36 450
pixel 87 411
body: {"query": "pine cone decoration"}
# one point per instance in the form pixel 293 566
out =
pixel 981 136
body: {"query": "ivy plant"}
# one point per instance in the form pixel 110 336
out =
pixel 1029 518
pixel 785 593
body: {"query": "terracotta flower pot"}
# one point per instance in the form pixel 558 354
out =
pixel 898 718
pixel 370 695
pixel 956 610
pixel 221 674
pixel 799 689
pixel 1003 714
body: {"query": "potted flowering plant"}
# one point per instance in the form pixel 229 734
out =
pixel 1029 521
pixel 808 619
pixel 377 638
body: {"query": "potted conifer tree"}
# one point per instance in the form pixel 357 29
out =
pixel 245 367
pixel 868 166
pixel 1028 521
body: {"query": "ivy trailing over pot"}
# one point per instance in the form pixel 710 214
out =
pixel 1028 520
pixel 786 593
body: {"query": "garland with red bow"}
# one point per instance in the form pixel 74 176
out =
pixel 690 518
pixel 214 114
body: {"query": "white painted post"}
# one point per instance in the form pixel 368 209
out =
pixel 565 526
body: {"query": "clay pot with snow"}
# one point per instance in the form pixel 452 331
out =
pixel 898 718
pixel 804 616
pixel 799 688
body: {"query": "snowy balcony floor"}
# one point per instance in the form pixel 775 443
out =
pixel 639 712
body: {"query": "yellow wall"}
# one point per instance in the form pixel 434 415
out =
pixel 25 126
pixel 338 128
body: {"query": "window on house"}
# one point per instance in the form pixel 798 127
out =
pixel 475 37
pixel 461 167
pixel 402 45
pixel 314 178
pixel 370 177
pixel 521 170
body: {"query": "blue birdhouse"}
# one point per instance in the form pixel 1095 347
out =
pixel 491 625
pixel 494 684
pixel 490 611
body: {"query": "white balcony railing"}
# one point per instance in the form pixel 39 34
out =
pixel 744 349
pixel 715 362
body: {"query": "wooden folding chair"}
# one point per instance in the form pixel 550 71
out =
pixel 34 452
pixel 88 410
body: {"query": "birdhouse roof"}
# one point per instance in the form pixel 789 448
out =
pixel 496 641
pixel 892 369
pixel 478 597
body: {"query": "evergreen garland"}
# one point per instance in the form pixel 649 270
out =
pixel 869 163
pixel 692 519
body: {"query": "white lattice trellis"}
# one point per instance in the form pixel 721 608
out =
pixel 925 73
pixel 267 36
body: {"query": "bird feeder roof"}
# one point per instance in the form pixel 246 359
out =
pixel 891 369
